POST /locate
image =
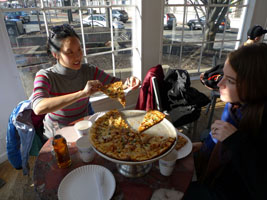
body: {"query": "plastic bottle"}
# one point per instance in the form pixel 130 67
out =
pixel 61 151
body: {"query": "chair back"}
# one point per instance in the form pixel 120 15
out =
pixel 157 93
pixel 146 98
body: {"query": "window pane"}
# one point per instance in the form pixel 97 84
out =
pixel 123 64
pixel 194 24
pixel 195 41
pixel 103 62
pixel 27 75
pixel 27 40
pixel 58 17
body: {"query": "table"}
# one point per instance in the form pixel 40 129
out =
pixel 47 176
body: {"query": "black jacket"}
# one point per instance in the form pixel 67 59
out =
pixel 237 167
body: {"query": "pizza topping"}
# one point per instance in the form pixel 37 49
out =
pixel 115 91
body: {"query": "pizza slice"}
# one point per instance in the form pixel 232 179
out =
pixel 115 91
pixel 181 142
pixel 111 135
pixel 156 145
pixel 134 146
pixel 151 118
pixel 106 135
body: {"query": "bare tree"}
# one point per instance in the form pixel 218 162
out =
pixel 215 12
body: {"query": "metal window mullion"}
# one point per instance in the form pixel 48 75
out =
pixel 242 17
pixel 182 40
pixel 203 39
pixel 82 31
pixel 211 5
pixel 192 43
pixel 220 54
pixel 112 41
pixel 45 18
pixel 61 8
pixel 173 38
pixel 109 52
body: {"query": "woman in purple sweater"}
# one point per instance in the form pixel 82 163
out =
pixel 62 91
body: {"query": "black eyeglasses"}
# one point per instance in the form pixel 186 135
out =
pixel 57 29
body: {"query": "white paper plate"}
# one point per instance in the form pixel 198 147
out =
pixel 186 149
pixel 69 133
pixel 81 184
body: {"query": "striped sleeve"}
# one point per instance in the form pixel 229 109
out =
pixel 102 76
pixel 41 87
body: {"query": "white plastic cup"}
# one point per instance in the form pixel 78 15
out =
pixel 85 149
pixel 82 127
pixel 167 163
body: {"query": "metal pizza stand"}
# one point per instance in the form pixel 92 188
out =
pixel 134 118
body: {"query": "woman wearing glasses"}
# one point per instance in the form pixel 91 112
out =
pixel 231 163
pixel 62 91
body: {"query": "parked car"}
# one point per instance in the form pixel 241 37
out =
pixel 35 12
pixel 19 15
pixel 120 15
pixel 100 20
pixel 169 20
pixel 14 27
pixel 194 24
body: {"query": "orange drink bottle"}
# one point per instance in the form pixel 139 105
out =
pixel 61 151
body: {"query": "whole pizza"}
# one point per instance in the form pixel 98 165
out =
pixel 114 137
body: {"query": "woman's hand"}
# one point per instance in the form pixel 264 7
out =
pixel 91 87
pixel 221 130
pixel 132 82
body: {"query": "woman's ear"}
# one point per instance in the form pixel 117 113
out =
pixel 257 39
pixel 55 55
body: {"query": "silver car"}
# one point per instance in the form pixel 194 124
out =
pixel 100 20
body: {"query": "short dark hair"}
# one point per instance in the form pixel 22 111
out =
pixel 57 34
pixel 255 31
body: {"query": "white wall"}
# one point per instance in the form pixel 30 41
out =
pixel 147 36
pixel 11 88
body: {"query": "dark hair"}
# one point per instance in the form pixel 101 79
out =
pixel 250 64
pixel 255 31
pixel 57 34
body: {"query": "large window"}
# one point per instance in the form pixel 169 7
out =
pixel 204 32
pixel 105 29
pixel 195 33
